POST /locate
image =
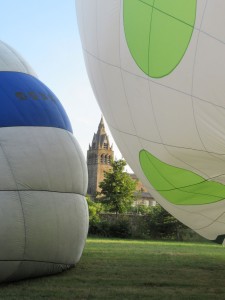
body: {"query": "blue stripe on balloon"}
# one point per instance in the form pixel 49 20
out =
pixel 26 101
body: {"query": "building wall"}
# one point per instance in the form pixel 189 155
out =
pixel 104 166
pixel 139 187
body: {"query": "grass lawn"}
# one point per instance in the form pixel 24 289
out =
pixel 125 269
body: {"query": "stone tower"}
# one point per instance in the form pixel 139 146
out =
pixel 99 156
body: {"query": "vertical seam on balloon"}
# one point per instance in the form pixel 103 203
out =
pixel 125 94
pixel 67 159
pixel 76 232
pixel 120 67
pixel 87 218
pixel 21 204
pixel 156 123
pixel 42 155
pixel 79 234
pixel 57 224
pixel 80 158
pixel 192 83
pixel 139 138
pixel 150 31
pixel 152 105
pixel 100 67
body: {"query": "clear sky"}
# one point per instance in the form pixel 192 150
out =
pixel 45 33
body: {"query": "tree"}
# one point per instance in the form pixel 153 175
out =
pixel 163 225
pixel 117 188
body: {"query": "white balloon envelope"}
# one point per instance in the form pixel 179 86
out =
pixel 43 177
pixel 157 69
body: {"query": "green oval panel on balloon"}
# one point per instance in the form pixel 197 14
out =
pixel 158 33
pixel 180 186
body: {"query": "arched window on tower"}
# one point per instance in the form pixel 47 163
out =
pixel 102 158
pixel 109 160
pixel 105 146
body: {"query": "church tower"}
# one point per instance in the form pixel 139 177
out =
pixel 99 156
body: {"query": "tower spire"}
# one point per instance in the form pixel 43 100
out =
pixel 101 127
pixel 99 158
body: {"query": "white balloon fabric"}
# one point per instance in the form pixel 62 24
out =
pixel 157 68
pixel 43 177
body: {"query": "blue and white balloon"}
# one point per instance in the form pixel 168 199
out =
pixel 43 177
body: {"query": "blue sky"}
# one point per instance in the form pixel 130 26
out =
pixel 45 33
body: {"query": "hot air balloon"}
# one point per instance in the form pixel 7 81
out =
pixel 43 177
pixel 157 68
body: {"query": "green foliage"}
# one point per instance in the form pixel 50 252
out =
pixel 144 222
pixel 140 209
pixel 162 225
pixel 100 228
pixel 119 228
pixel 117 188
pixel 94 210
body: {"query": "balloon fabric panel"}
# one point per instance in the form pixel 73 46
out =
pixel 180 186
pixel 26 101
pixel 153 29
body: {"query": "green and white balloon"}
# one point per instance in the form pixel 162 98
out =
pixel 157 68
